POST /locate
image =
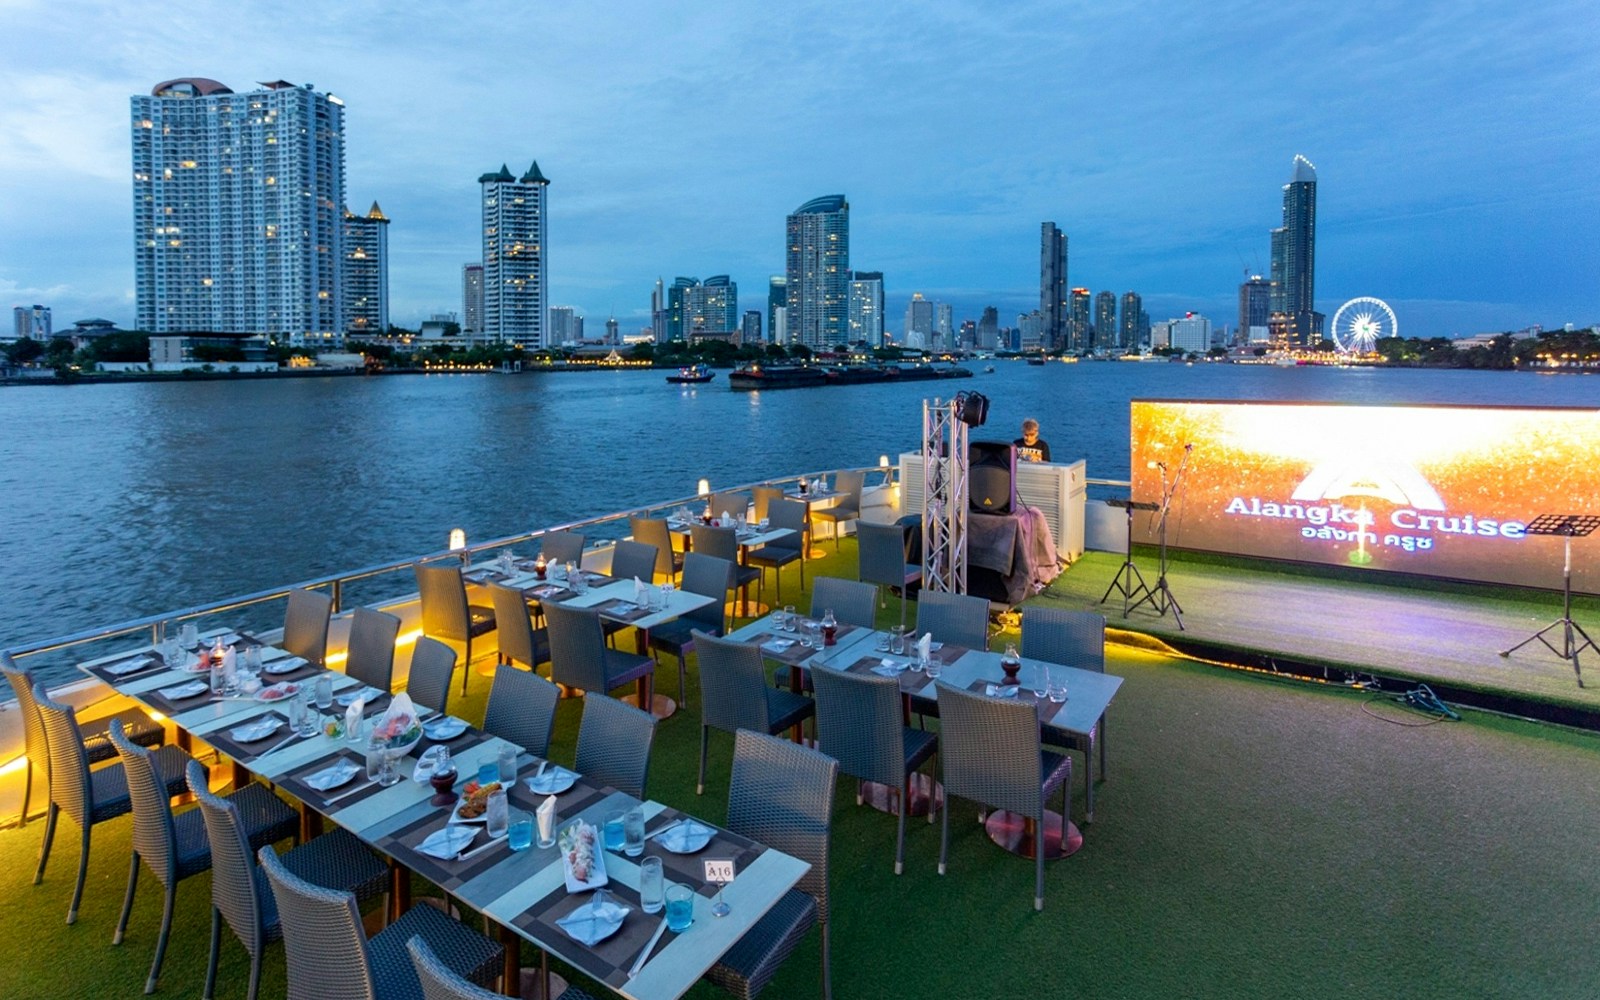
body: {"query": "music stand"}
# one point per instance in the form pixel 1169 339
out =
pixel 1160 597
pixel 1568 526
pixel 1128 569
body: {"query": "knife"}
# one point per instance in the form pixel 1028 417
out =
pixel 638 963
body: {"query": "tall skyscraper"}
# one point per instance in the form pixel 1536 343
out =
pixel 31 322
pixel 1106 335
pixel 944 322
pixel 711 307
pixel 919 322
pixel 238 210
pixel 1080 333
pixel 563 328
pixel 817 271
pixel 866 308
pixel 1255 309
pixel 366 273
pixel 515 257
pixel 613 332
pixel 471 299
pixel 750 327
pixel 658 313
pixel 1053 286
pixel 1294 258
pixel 675 294
pixel 1131 333
pixel 987 334
pixel 777 298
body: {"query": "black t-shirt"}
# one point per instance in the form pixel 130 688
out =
pixel 1039 451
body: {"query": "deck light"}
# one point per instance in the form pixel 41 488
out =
pixel 704 487
pixel 458 539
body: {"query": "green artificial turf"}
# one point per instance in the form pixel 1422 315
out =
pixel 1256 838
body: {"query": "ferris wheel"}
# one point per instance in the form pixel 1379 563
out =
pixel 1361 323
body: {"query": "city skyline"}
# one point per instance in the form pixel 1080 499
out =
pixel 1445 138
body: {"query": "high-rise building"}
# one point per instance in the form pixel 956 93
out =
pixel 777 298
pixel 1129 334
pixel 711 307
pixel 944 322
pixel 1080 333
pixel 817 271
pixel 238 210
pixel 471 299
pixel 563 328
pixel 1053 286
pixel 1294 258
pixel 31 322
pixel 1192 334
pixel 515 257
pixel 675 294
pixel 658 313
pixel 780 325
pixel 1030 331
pixel 613 333
pixel 919 322
pixel 750 327
pixel 1255 309
pixel 987 335
pixel 1106 335
pixel 365 282
pixel 866 308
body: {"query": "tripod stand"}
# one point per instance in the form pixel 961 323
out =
pixel 1569 526
pixel 1160 597
pixel 1129 590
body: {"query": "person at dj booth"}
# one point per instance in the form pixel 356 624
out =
pixel 1030 446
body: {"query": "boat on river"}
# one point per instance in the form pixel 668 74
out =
pixel 759 376
pixel 693 374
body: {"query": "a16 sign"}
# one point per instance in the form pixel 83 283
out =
pixel 719 871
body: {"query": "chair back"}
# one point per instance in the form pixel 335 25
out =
pixel 789 514
pixel 733 684
pixel 781 795
pixel 764 495
pixel 720 542
pixel 1071 638
pixel 233 870
pixel 369 658
pixel 69 761
pixel 959 619
pixel 562 547
pixel 34 743
pixel 518 640
pixel 654 531
pixel 305 625
pixel 630 560
pixel 614 742
pixel 989 750
pixel 522 709
pixel 882 550
pixel 859 724
pixel 432 665
pixel 444 601
pixel 849 484
pixel 737 504
pixel 438 981
pixel 708 576
pixel 323 942
pixel 577 647
pixel 853 602
pixel 153 836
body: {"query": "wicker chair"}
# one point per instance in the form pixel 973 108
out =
pixel 580 658
pixel 89 797
pixel 851 600
pixel 369 658
pixel 239 893
pixel 781 552
pixel 858 724
pixel 140 728
pixel 736 503
pixel 654 531
pixel 330 956
pixel 432 664
pixel 176 847
pixel 763 498
pixel 734 695
pixel 882 549
pixel 440 983
pixel 522 710
pixel 519 641
pixel 724 544
pixel 780 795
pixel 562 547
pixel 447 615
pixel 959 619
pixel 305 625
pixel 706 576
pixel 989 753
pixel 1074 639
pixel 614 742
pixel 848 485
pixel 634 560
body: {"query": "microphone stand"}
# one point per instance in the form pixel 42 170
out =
pixel 1160 597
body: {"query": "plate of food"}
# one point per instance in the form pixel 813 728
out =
pixel 278 692
pixel 474 804
pixel 581 857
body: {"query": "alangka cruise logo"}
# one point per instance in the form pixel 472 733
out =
pixel 1395 482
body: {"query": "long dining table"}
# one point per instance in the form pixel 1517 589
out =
pixel 523 892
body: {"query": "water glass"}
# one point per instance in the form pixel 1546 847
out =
pixel 883 642
pixel 354 733
pixel 519 834
pixel 933 668
pixel 614 836
pixel 633 832
pixel 324 689
pixel 252 659
pixel 652 886
pixel 788 618
pixel 897 640
pixel 1058 688
pixel 390 773
pixel 508 765
pixel 508 563
pixel 1041 682
pixel 680 907
pixel 375 757
pixel 498 814
pixel 189 635
pixel 308 718
pixel 488 772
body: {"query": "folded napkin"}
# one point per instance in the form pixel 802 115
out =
pixel 924 646
pixel 287 665
pixel 448 842
pixel 591 923
pixel 189 689
pixel 258 730
pixel 545 815
pixel 685 836
pixel 777 645
pixel 351 697
pixel 638 592
pixel 132 666
pixel 334 775
pixel 1000 690
pixel 889 668
pixel 555 780
pixel 446 727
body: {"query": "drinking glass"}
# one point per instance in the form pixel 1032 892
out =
pixel 308 718
pixel 354 733
pixel 883 642
pixel 252 659
pixel 488 772
pixel 375 757
pixel 804 628
pixel 651 885
pixel 680 907
pixel 788 618
pixel 519 832
pixel 1041 682
pixel 614 836
pixel 297 714
pixel 897 640
pixel 324 689
pixel 1058 688
pixel 189 635
pixel 508 765
pixel 390 774
pixel 508 563
pixel 933 668
pixel 498 814
pixel 633 832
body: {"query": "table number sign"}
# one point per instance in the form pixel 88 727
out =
pixel 719 871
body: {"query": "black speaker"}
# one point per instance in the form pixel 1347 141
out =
pixel 972 408
pixel 992 476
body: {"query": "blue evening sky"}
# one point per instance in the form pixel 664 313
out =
pixel 1455 143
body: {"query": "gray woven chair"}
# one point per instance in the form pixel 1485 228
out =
pixel 440 983
pixel 614 742
pixel 631 560
pixel 522 709
pixel 848 485
pixel 959 619
pixel 736 503
pixel 851 600
pixel 175 847
pixel 761 503
pixel 724 544
pixel 239 891
pixel 1074 639
pixel 883 563
pixel 859 725
pixel 780 552
pixel 989 753
pixel 734 695
pixel 654 531
pixel 89 797
pixel 780 795
pixel 580 658
pixel 447 615
pixel 706 576
pixel 140 728
pixel 369 657
pixel 562 547
pixel 305 625
pixel 432 664
pixel 330 956
pixel 519 641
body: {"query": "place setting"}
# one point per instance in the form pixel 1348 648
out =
pixel 127 666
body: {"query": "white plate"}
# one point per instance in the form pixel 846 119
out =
pixel 333 776
pixel 1000 690
pixel 258 730
pixel 179 692
pixel 447 728
pixel 685 837
pixel 285 665
pixel 349 698
pixel 133 665
pixel 446 843
pixel 277 692
pixel 555 780
pixel 456 817
pixel 590 925
pixel 597 873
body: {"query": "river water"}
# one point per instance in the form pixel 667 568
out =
pixel 126 500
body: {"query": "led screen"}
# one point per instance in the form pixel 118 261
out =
pixel 1444 491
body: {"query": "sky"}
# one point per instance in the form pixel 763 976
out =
pixel 1455 144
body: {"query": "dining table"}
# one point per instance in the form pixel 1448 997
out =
pixel 749 537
